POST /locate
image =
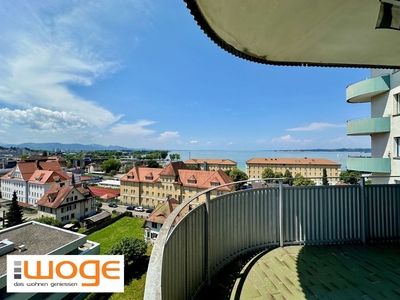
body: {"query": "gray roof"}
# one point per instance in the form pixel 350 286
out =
pixel 99 217
pixel 39 239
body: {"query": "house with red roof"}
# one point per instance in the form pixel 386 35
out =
pixel 156 219
pixel 151 186
pixel 67 202
pixel 31 178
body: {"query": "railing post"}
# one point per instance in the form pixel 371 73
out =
pixel 207 240
pixel 363 218
pixel 281 212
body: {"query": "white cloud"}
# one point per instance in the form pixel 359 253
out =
pixel 39 119
pixel 317 126
pixel 194 142
pixel 168 135
pixel 134 129
pixel 289 139
pixel 47 46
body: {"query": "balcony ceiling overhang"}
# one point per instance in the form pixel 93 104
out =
pixel 337 33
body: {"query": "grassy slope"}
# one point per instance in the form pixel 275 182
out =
pixel 108 236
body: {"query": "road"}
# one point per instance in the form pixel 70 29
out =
pixel 122 208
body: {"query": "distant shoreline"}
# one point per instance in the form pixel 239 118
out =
pixel 366 150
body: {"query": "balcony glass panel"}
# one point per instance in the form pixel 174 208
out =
pixel 368 126
pixel 368 164
pixel 362 91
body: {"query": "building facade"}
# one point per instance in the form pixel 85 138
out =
pixel 30 179
pixel 67 202
pixel 151 186
pixel 307 167
pixel 382 92
pixel 211 164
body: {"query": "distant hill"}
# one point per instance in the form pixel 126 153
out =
pixel 75 147
pixel 366 150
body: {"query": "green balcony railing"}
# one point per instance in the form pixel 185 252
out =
pixel 362 91
pixel 368 164
pixel 368 126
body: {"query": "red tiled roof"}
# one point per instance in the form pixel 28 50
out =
pixel 98 191
pixel 56 194
pixel 44 176
pixel 292 161
pixel 204 179
pixel 163 210
pixel 210 161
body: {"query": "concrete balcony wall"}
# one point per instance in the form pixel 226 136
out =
pixel 368 126
pixel 362 91
pixel 369 164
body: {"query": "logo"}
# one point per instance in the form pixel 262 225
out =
pixel 65 273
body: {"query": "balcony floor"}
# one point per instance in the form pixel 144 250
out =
pixel 346 271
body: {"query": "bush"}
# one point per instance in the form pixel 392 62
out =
pixel 133 249
pixel 50 221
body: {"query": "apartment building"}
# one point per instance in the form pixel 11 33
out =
pixel 33 238
pixel 67 202
pixel 151 186
pixel 307 167
pixel 30 179
pixel 211 164
pixel 382 92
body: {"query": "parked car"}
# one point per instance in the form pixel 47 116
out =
pixel 112 205
pixel 139 208
pixel 149 210
pixel 130 208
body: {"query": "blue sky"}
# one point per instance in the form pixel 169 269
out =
pixel 142 74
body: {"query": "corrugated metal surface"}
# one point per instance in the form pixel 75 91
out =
pixel 242 221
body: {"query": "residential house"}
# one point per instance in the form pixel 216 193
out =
pixel 211 164
pixel 23 177
pixel 382 91
pixel 307 167
pixel 67 202
pixel 156 219
pixel 151 186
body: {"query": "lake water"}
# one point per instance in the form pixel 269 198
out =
pixel 240 157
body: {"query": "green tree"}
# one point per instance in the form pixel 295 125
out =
pixel 268 173
pixel 15 214
pixel 153 164
pixel 163 154
pixel 44 153
pixel 278 175
pixel 24 156
pixel 110 164
pixel 50 221
pixel 174 156
pixel 99 205
pixel 237 175
pixel 324 177
pixel 288 178
pixel 300 180
pixel 350 177
pixel 133 249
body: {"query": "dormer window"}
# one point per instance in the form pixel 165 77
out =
pixel 214 183
pixel 192 181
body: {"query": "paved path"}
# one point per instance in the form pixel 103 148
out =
pixel 313 272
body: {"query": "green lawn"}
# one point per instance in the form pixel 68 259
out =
pixel 108 236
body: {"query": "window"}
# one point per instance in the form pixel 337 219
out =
pixel 397 140
pixel 397 104
pixel 72 216
pixel 153 225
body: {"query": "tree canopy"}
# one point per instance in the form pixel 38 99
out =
pixel 268 173
pixel 110 164
pixel 300 180
pixel 350 176
pixel 174 156
pixel 324 177
pixel 237 175
pixel 15 214
pixel 133 249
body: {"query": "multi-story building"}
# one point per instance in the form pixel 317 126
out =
pixel 67 202
pixel 307 167
pixel 30 179
pixel 382 91
pixel 35 238
pixel 151 186
pixel 211 164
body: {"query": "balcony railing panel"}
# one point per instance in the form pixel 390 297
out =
pixel 216 232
